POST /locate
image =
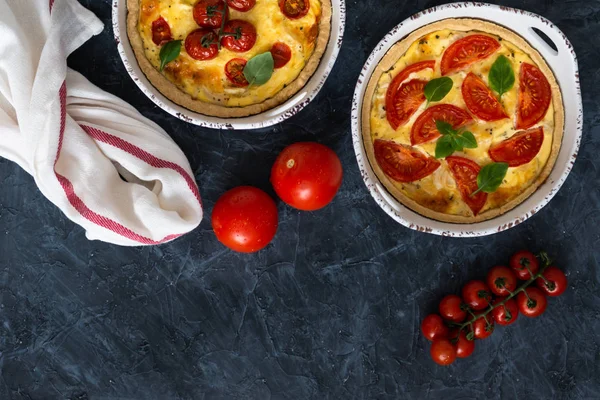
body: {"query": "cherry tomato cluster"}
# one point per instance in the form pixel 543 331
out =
pixel 498 300
pixel 306 176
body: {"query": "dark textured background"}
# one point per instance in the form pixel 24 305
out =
pixel 331 309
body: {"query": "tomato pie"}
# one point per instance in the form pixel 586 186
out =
pixel 229 58
pixel 462 120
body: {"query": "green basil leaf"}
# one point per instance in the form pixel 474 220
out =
pixel 490 177
pixel 169 52
pixel 259 69
pixel 502 76
pixel 438 88
pixel 444 146
pixel 444 127
pixel 467 140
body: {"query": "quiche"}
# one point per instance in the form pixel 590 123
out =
pixel 196 52
pixel 462 120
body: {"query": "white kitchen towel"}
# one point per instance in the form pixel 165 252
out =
pixel 109 169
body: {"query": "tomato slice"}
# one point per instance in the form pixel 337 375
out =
pixel 403 163
pixel 196 49
pixel 161 32
pixel 467 51
pixel 391 97
pixel 406 102
pixel 465 174
pixel 247 35
pixel 234 70
pixel 480 100
pixel 207 13
pixel 535 95
pixel 282 54
pixel 294 9
pixel 241 5
pixel 424 129
pixel 518 149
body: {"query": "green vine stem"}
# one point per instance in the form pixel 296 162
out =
pixel 210 12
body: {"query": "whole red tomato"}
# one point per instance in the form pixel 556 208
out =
pixel 464 346
pixel 443 352
pixel 501 280
pixel 521 261
pixel 245 219
pixel 476 295
pixel 507 313
pixel 307 175
pixel 451 308
pixel 433 327
pixel 555 282
pixel 483 327
pixel 533 303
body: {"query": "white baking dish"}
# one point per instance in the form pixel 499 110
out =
pixel 564 64
pixel 262 120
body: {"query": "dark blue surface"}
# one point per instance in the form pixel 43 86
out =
pixel 331 309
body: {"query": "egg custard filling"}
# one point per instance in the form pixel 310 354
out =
pixel 229 58
pixel 462 120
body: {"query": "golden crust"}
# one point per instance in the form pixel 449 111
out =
pixel 462 24
pixel 172 92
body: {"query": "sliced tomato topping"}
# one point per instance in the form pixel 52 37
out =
pixel 234 70
pixel 281 53
pixel 518 149
pixel 391 98
pixel 208 13
pixel 480 100
pixel 403 163
pixel 241 35
pixel 465 174
pixel 535 95
pixel 406 102
pixel 241 5
pixel 424 129
pixel 467 51
pixel 294 9
pixel 201 44
pixel 161 32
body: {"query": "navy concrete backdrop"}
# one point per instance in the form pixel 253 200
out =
pixel 331 309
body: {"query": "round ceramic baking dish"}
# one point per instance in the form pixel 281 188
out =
pixel 560 56
pixel 262 120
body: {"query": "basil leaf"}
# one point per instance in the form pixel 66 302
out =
pixel 437 89
pixel 467 140
pixel 501 76
pixel 444 127
pixel 444 146
pixel 169 52
pixel 259 69
pixel 490 177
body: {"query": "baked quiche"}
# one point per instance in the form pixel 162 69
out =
pixel 462 120
pixel 228 58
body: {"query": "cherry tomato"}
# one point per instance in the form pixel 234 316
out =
pixel 433 327
pixel 161 32
pixel 464 347
pixel 241 5
pixel 476 295
pixel 394 111
pixel 245 219
pixel 519 149
pixel 533 303
pixel 246 35
pixel 506 314
pixel 403 163
pixel 521 260
pixel 307 175
pixel 555 283
pixel 208 13
pixel 501 280
pixel 196 49
pixel 443 352
pixel 294 9
pixel 535 95
pixel 234 70
pixel 480 100
pixel 483 328
pixel 424 128
pixel 467 51
pixel 465 174
pixel 282 54
pixel 451 308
